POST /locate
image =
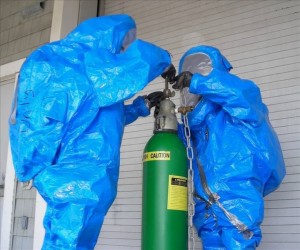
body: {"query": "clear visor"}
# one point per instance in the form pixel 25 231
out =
pixel 128 39
pixel 197 63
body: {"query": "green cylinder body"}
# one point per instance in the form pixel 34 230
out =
pixel 164 214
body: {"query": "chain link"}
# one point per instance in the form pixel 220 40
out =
pixel 190 156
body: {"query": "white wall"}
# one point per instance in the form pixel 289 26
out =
pixel 262 41
pixel 6 92
pixel 7 82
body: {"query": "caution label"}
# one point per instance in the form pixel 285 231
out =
pixel 177 193
pixel 157 156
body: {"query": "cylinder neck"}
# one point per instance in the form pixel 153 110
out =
pixel 166 120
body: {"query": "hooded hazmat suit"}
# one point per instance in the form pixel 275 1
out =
pixel 68 118
pixel 237 156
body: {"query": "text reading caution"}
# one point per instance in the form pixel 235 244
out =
pixel 157 156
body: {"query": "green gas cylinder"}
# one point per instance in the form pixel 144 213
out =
pixel 164 213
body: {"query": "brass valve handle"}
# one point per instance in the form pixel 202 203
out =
pixel 183 110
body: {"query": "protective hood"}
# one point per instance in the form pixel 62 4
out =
pixel 201 60
pixel 218 61
pixel 107 32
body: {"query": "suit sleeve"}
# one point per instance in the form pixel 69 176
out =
pixel 136 109
pixel 118 77
pixel 240 98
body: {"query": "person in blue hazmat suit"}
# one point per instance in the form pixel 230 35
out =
pixel 237 156
pixel 68 118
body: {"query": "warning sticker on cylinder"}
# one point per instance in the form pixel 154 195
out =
pixel 157 156
pixel 177 193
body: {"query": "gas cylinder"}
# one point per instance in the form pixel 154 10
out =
pixel 164 209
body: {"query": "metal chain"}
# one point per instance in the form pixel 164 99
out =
pixel 190 156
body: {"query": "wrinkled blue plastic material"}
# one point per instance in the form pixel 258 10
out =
pixel 239 152
pixel 70 120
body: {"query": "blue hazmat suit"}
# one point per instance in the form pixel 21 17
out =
pixel 68 119
pixel 237 155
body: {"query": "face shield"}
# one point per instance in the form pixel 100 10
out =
pixel 128 39
pixel 195 63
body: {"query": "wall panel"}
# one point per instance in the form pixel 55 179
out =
pixel 262 41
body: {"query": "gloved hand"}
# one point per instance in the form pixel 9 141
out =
pixel 154 99
pixel 169 73
pixel 182 80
